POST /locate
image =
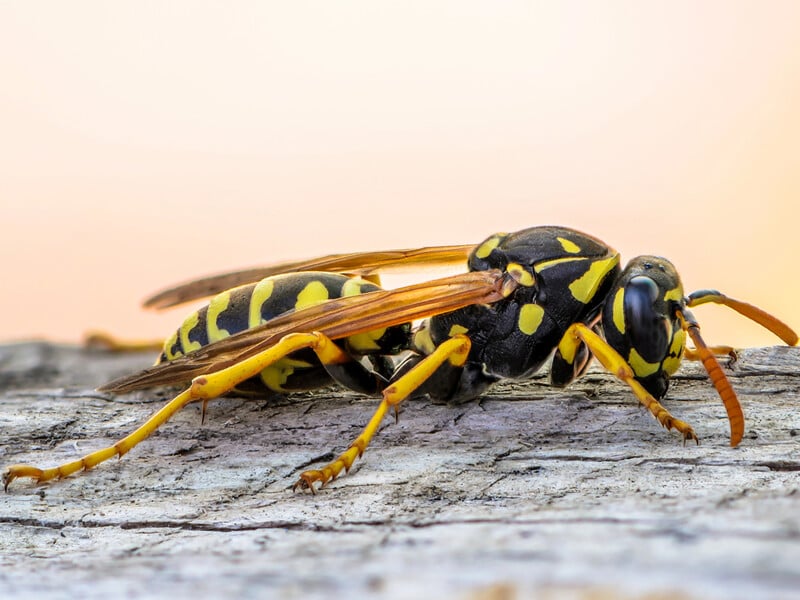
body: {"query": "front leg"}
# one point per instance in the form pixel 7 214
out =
pixel 203 388
pixel 579 334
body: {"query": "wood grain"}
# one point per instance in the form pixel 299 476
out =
pixel 530 492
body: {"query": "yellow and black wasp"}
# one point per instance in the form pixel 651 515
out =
pixel 543 293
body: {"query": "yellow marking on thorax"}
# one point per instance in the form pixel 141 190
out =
pixel 261 294
pixel 217 306
pixel 569 245
pixel 673 361
pixel 169 344
pixel 585 287
pixel 546 264
pixel 187 326
pixel 521 276
pixel 314 293
pixel 675 294
pixel 618 312
pixel 530 317
pixel 486 247
pixel 640 366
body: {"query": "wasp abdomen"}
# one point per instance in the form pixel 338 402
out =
pixel 251 305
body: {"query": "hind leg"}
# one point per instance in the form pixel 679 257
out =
pixel 203 388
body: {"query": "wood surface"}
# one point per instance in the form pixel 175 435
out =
pixel 530 492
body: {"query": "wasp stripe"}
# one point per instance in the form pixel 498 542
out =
pixel 486 247
pixel 546 264
pixel 172 349
pixel 585 287
pixel 569 245
pixel 640 366
pixel 354 287
pixel 618 310
pixel 314 293
pixel 261 293
pixel 216 307
pixel 192 333
pixel 673 360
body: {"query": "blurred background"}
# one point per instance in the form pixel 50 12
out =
pixel 145 143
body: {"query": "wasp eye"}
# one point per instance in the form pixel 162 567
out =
pixel 649 329
pixel 643 287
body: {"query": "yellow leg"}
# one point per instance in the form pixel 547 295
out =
pixel 202 388
pixel 106 341
pixel 90 460
pixel 455 350
pixel 617 366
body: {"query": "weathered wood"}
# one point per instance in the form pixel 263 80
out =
pixel 529 492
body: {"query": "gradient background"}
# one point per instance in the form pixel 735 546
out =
pixel 145 143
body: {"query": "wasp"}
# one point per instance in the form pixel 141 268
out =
pixel 543 294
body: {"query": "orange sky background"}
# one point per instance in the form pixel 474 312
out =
pixel 144 143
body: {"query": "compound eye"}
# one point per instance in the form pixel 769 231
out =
pixel 644 288
pixel 648 328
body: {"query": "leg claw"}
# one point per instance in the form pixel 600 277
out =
pixel 14 471
pixel 307 480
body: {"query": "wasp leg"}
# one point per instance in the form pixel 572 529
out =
pixel 694 354
pixel 579 333
pixel 106 341
pixel 563 371
pixel 454 351
pixel 93 459
pixel 204 387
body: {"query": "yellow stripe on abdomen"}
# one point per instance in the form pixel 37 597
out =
pixel 217 306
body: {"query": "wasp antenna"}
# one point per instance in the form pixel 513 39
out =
pixel 763 318
pixel 717 376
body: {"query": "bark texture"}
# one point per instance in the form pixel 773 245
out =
pixel 530 492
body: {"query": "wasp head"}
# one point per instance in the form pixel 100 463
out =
pixel 640 321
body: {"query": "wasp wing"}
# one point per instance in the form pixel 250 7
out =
pixel 363 263
pixel 337 318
